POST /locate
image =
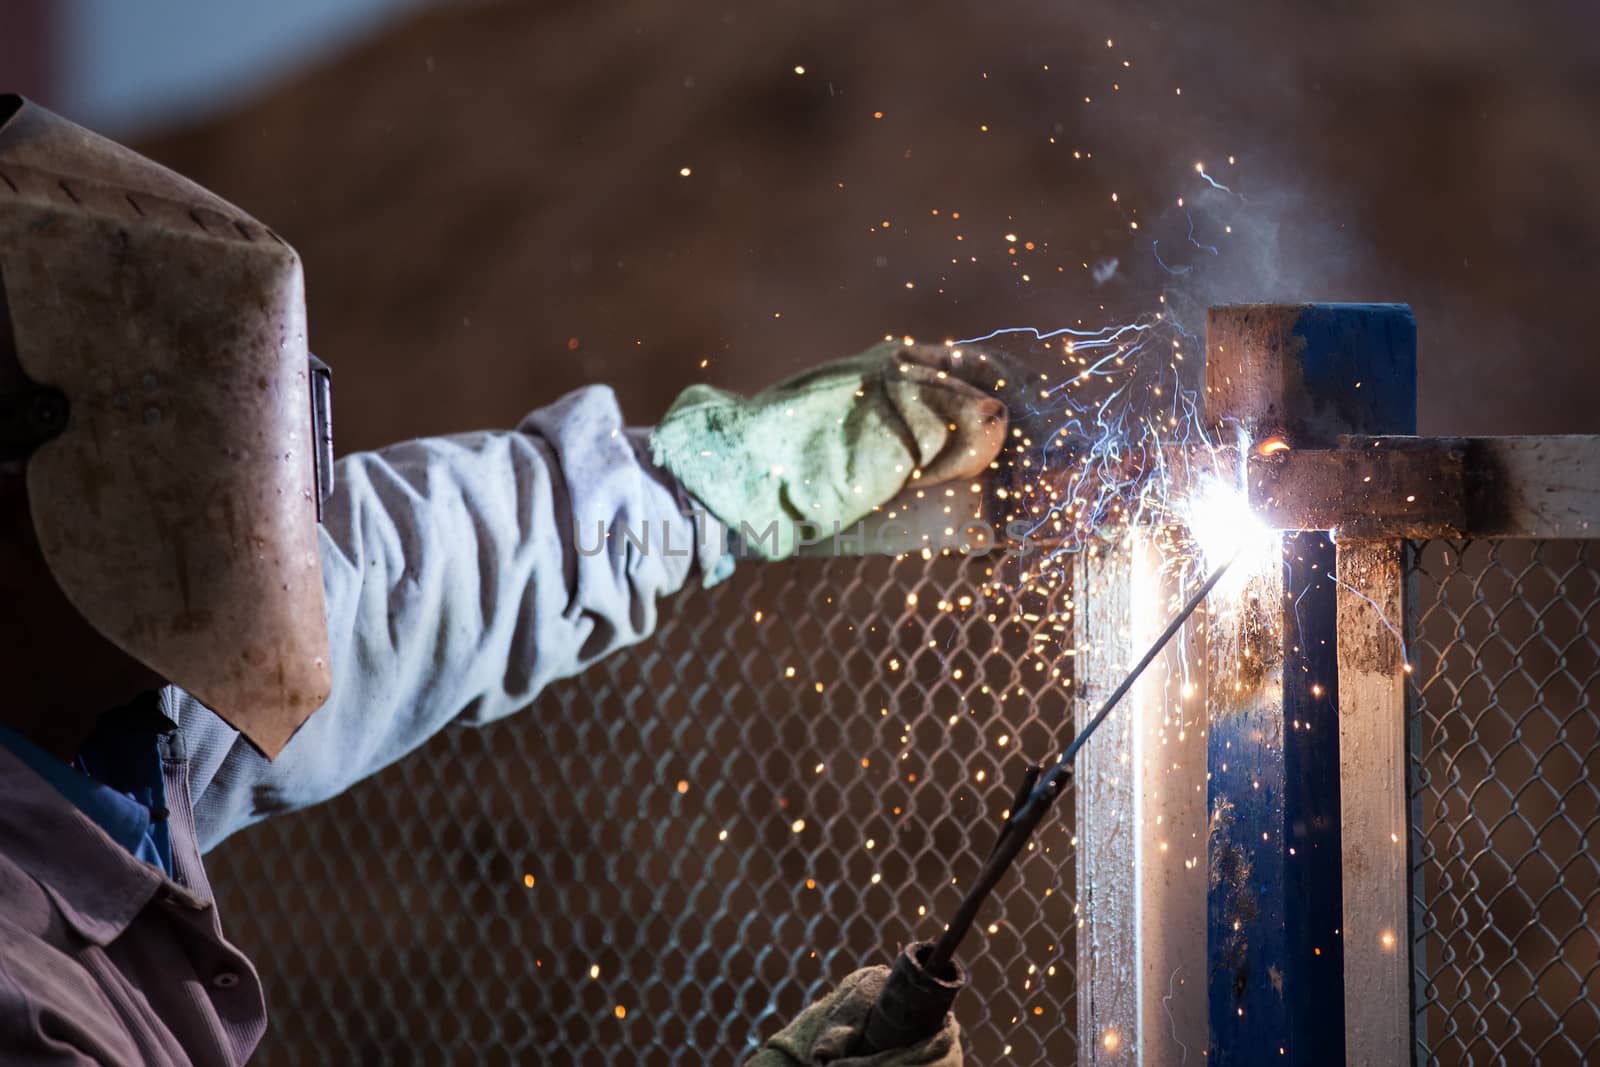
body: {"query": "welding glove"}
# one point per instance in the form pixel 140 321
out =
pixel 822 1033
pixel 823 450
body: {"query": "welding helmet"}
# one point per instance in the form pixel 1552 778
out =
pixel 155 380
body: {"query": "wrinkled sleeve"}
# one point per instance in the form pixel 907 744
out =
pixel 462 575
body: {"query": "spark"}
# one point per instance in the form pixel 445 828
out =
pixel 1383 617
pixel 1155 247
pixel 1166 1005
pixel 1113 437
pixel 1200 169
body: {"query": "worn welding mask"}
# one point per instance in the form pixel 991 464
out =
pixel 173 423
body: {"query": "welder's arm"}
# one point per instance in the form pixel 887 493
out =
pixel 463 574
pixel 824 1032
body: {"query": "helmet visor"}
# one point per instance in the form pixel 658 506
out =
pixel 177 508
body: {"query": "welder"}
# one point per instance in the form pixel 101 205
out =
pixel 206 621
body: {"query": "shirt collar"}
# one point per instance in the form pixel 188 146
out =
pixel 96 882
pixel 124 819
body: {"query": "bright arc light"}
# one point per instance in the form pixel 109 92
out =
pixel 1224 526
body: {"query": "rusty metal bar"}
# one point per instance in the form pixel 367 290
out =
pixel 1103 598
pixel 1310 374
pixel 1380 487
pixel 1392 487
pixel 1533 487
pixel 1168 762
pixel 1141 816
pixel 1376 599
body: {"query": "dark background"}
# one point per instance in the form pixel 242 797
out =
pixel 478 188
pixel 488 200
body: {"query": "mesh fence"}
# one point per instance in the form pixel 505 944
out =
pixel 666 859
pixel 1505 807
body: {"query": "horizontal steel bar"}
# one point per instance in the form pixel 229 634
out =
pixel 1377 488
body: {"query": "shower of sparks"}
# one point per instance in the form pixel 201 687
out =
pixel 1111 439
pixel 1112 436
pixel 1114 440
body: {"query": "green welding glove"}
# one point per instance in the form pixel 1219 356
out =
pixel 818 453
pixel 822 1033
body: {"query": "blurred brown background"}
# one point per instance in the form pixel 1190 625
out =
pixel 489 203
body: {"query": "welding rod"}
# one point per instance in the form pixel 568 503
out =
pixel 925 978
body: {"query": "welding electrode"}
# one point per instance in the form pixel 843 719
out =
pixel 925 978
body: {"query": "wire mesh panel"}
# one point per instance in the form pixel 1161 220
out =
pixel 664 860
pixel 1506 809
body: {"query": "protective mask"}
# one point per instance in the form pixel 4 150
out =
pixel 164 397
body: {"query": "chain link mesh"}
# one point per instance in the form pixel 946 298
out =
pixel 1506 863
pixel 666 859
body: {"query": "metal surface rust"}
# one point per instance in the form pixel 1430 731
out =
pixel 1370 488
pixel 1374 488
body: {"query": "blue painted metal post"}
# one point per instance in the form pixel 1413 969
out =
pixel 1307 373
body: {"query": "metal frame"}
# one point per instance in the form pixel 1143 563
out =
pixel 1141 816
pixel 1308 707
pixel 773 837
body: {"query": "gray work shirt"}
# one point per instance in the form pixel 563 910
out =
pixel 462 575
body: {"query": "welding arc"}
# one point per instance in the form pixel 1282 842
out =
pixel 1036 793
